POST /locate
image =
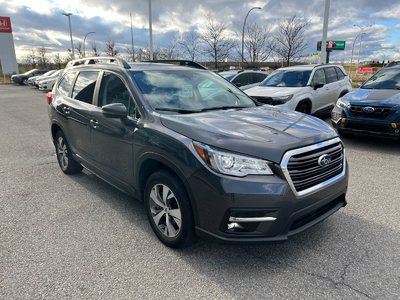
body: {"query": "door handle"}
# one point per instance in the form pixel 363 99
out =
pixel 66 110
pixel 94 123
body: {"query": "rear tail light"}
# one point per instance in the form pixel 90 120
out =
pixel 49 98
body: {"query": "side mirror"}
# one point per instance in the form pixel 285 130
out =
pixel 114 110
pixel 318 86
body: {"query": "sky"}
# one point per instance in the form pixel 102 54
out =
pixel 38 23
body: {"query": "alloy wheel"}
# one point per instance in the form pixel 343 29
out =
pixel 62 153
pixel 165 210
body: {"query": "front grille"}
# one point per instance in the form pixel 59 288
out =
pixel 380 112
pixel 305 170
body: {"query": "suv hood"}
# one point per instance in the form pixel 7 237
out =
pixel 266 131
pixel 272 91
pixel 381 96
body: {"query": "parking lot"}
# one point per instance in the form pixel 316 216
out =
pixel 76 237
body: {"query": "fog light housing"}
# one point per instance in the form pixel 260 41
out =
pixel 394 125
pixel 343 120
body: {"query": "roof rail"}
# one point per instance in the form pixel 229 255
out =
pixel 99 60
pixel 179 62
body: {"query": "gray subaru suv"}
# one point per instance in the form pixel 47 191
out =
pixel 205 158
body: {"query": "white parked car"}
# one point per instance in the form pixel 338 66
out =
pixel 32 80
pixel 244 79
pixel 307 88
pixel 47 83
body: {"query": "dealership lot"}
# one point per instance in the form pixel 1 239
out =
pixel 77 237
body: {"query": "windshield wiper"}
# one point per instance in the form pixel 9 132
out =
pixel 224 107
pixel 178 110
pixel 188 111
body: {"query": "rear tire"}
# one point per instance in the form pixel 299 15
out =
pixel 24 82
pixel 65 159
pixel 168 209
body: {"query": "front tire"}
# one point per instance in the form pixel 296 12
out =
pixel 168 209
pixel 65 159
pixel 303 108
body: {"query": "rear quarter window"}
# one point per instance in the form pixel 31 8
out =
pixel 65 84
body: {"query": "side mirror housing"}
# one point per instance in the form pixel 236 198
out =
pixel 318 86
pixel 114 110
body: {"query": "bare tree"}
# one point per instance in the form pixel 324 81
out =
pixel 111 49
pixel 57 60
pixel 78 50
pixel 169 52
pixel 70 55
pixel 289 41
pixel 258 43
pixel 215 44
pixel 130 54
pixel 42 56
pixel 94 51
pixel 30 58
pixel 190 44
pixel 143 54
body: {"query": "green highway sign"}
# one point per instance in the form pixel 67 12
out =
pixel 332 45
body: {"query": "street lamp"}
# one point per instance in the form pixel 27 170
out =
pixel 352 50
pixel 84 41
pixel 362 28
pixel 244 24
pixel 70 33
pixel 150 32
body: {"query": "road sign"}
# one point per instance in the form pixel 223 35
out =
pixel 332 45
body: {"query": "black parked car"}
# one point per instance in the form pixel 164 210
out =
pixel 204 157
pixel 22 79
pixel 373 109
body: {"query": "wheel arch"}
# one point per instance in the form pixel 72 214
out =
pixel 153 162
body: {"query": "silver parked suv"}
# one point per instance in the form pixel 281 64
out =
pixel 307 88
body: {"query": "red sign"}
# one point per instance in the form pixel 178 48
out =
pixel 366 70
pixel 5 24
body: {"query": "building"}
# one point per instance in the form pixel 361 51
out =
pixel 8 59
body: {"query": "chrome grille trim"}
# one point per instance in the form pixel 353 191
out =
pixel 319 186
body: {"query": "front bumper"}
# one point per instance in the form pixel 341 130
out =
pixel 271 210
pixel 344 122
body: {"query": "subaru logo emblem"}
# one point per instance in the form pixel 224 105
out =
pixel 368 109
pixel 324 160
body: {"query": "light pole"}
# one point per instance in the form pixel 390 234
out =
pixel 150 32
pixel 84 42
pixel 362 28
pixel 352 51
pixel 325 32
pixel 70 33
pixel 244 24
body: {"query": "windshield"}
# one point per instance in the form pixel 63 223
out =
pixel 385 79
pixel 49 73
pixel 287 78
pixel 188 91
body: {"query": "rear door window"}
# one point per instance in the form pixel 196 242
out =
pixel 84 86
pixel 330 75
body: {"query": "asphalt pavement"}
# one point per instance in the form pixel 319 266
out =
pixel 76 237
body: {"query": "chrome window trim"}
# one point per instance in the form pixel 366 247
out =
pixel 320 186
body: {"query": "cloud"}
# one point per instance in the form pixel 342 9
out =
pixel 37 23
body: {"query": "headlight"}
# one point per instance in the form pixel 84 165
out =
pixel 232 164
pixel 342 104
pixel 282 99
